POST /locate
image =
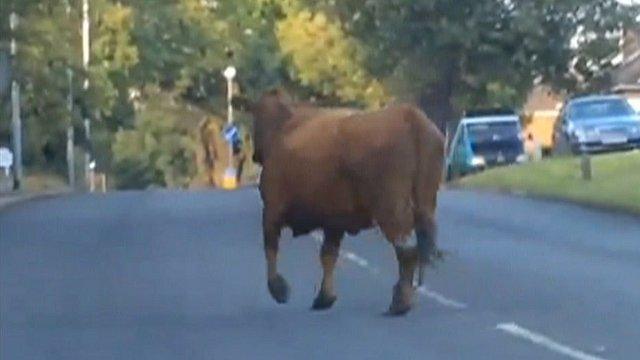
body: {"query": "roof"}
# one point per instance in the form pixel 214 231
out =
pixel 589 98
pixel 542 97
pixel 626 88
pixel 490 119
pixel 488 112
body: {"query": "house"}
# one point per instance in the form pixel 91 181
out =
pixel 542 98
pixel 626 75
pixel 539 116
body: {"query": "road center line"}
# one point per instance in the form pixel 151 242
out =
pixel 422 290
pixel 439 298
pixel 514 330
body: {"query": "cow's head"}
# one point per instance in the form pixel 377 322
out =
pixel 270 112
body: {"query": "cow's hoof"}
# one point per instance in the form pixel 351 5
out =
pixel 323 301
pixel 398 309
pixel 279 289
pixel 401 303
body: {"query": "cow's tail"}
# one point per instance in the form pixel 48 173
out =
pixel 429 151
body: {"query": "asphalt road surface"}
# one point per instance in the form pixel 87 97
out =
pixel 180 275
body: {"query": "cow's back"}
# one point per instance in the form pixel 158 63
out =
pixel 351 166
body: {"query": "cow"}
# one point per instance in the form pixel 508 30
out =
pixel 342 171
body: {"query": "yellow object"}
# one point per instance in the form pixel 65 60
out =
pixel 541 125
pixel 229 180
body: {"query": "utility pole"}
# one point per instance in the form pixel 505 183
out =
pixel 70 156
pixel 229 179
pixel 86 51
pixel 16 122
pixel 71 171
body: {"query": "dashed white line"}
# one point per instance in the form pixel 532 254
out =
pixel 422 290
pixel 509 328
pixel 439 298
pixel 362 262
pixel 353 257
pixel 514 330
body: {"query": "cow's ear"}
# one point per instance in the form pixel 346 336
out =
pixel 242 103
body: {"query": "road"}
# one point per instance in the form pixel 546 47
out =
pixel 180 275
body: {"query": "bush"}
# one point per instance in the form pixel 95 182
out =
pixel 160 149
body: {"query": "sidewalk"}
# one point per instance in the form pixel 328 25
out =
pixel 10 198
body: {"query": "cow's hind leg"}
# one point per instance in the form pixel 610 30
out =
pixel 426 237
pixel 278 286
pixel 407 255
pixel 329 253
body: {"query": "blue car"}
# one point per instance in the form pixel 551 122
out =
pixel 485 140
pixel 599 123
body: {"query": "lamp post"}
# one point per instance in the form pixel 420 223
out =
pixel 71 171
pixel 88 171
pixel 16 122
pixel 229 179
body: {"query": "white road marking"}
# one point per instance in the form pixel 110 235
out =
pixel 514 330
pixel 353 257
pixel 362 262
pixel 422 290
pixel 439 298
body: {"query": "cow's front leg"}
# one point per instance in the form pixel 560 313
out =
pixel 278 286
pixel 329 253
pixel 407 255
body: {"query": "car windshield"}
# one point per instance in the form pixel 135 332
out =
pixel 600 108
pixel 492 132
pixel 492 138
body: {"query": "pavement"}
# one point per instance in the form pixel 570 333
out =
pixel 180 275
pixel 10 198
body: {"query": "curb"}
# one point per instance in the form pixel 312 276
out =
pixel 12 199
pixel 611 209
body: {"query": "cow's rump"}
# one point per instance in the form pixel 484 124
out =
pixel 347 172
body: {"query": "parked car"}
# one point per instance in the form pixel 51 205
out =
pixel 599 123
pixel 483 140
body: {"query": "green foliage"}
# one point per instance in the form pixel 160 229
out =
pixel 113 45
pixel 446 55
pixel 324 57
pixel 450 56
pixel 160 149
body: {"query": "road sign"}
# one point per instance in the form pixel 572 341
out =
pixel 6 157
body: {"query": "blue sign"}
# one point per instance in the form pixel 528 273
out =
pixel 232 136
pixel 230 133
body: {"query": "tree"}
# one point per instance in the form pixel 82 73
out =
pixel 451 56
pixel 161 148
pixel 447 56
pixel 325 58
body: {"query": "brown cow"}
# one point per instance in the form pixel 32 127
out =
pixel 343 171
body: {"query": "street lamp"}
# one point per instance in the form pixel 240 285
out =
pixel 229 180
pixel 86 52
pixel 229 74
pixel 13 24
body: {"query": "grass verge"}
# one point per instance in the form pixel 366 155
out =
pixel 615 183
pixel 42 182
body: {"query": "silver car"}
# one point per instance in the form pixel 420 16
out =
pixel 600 123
